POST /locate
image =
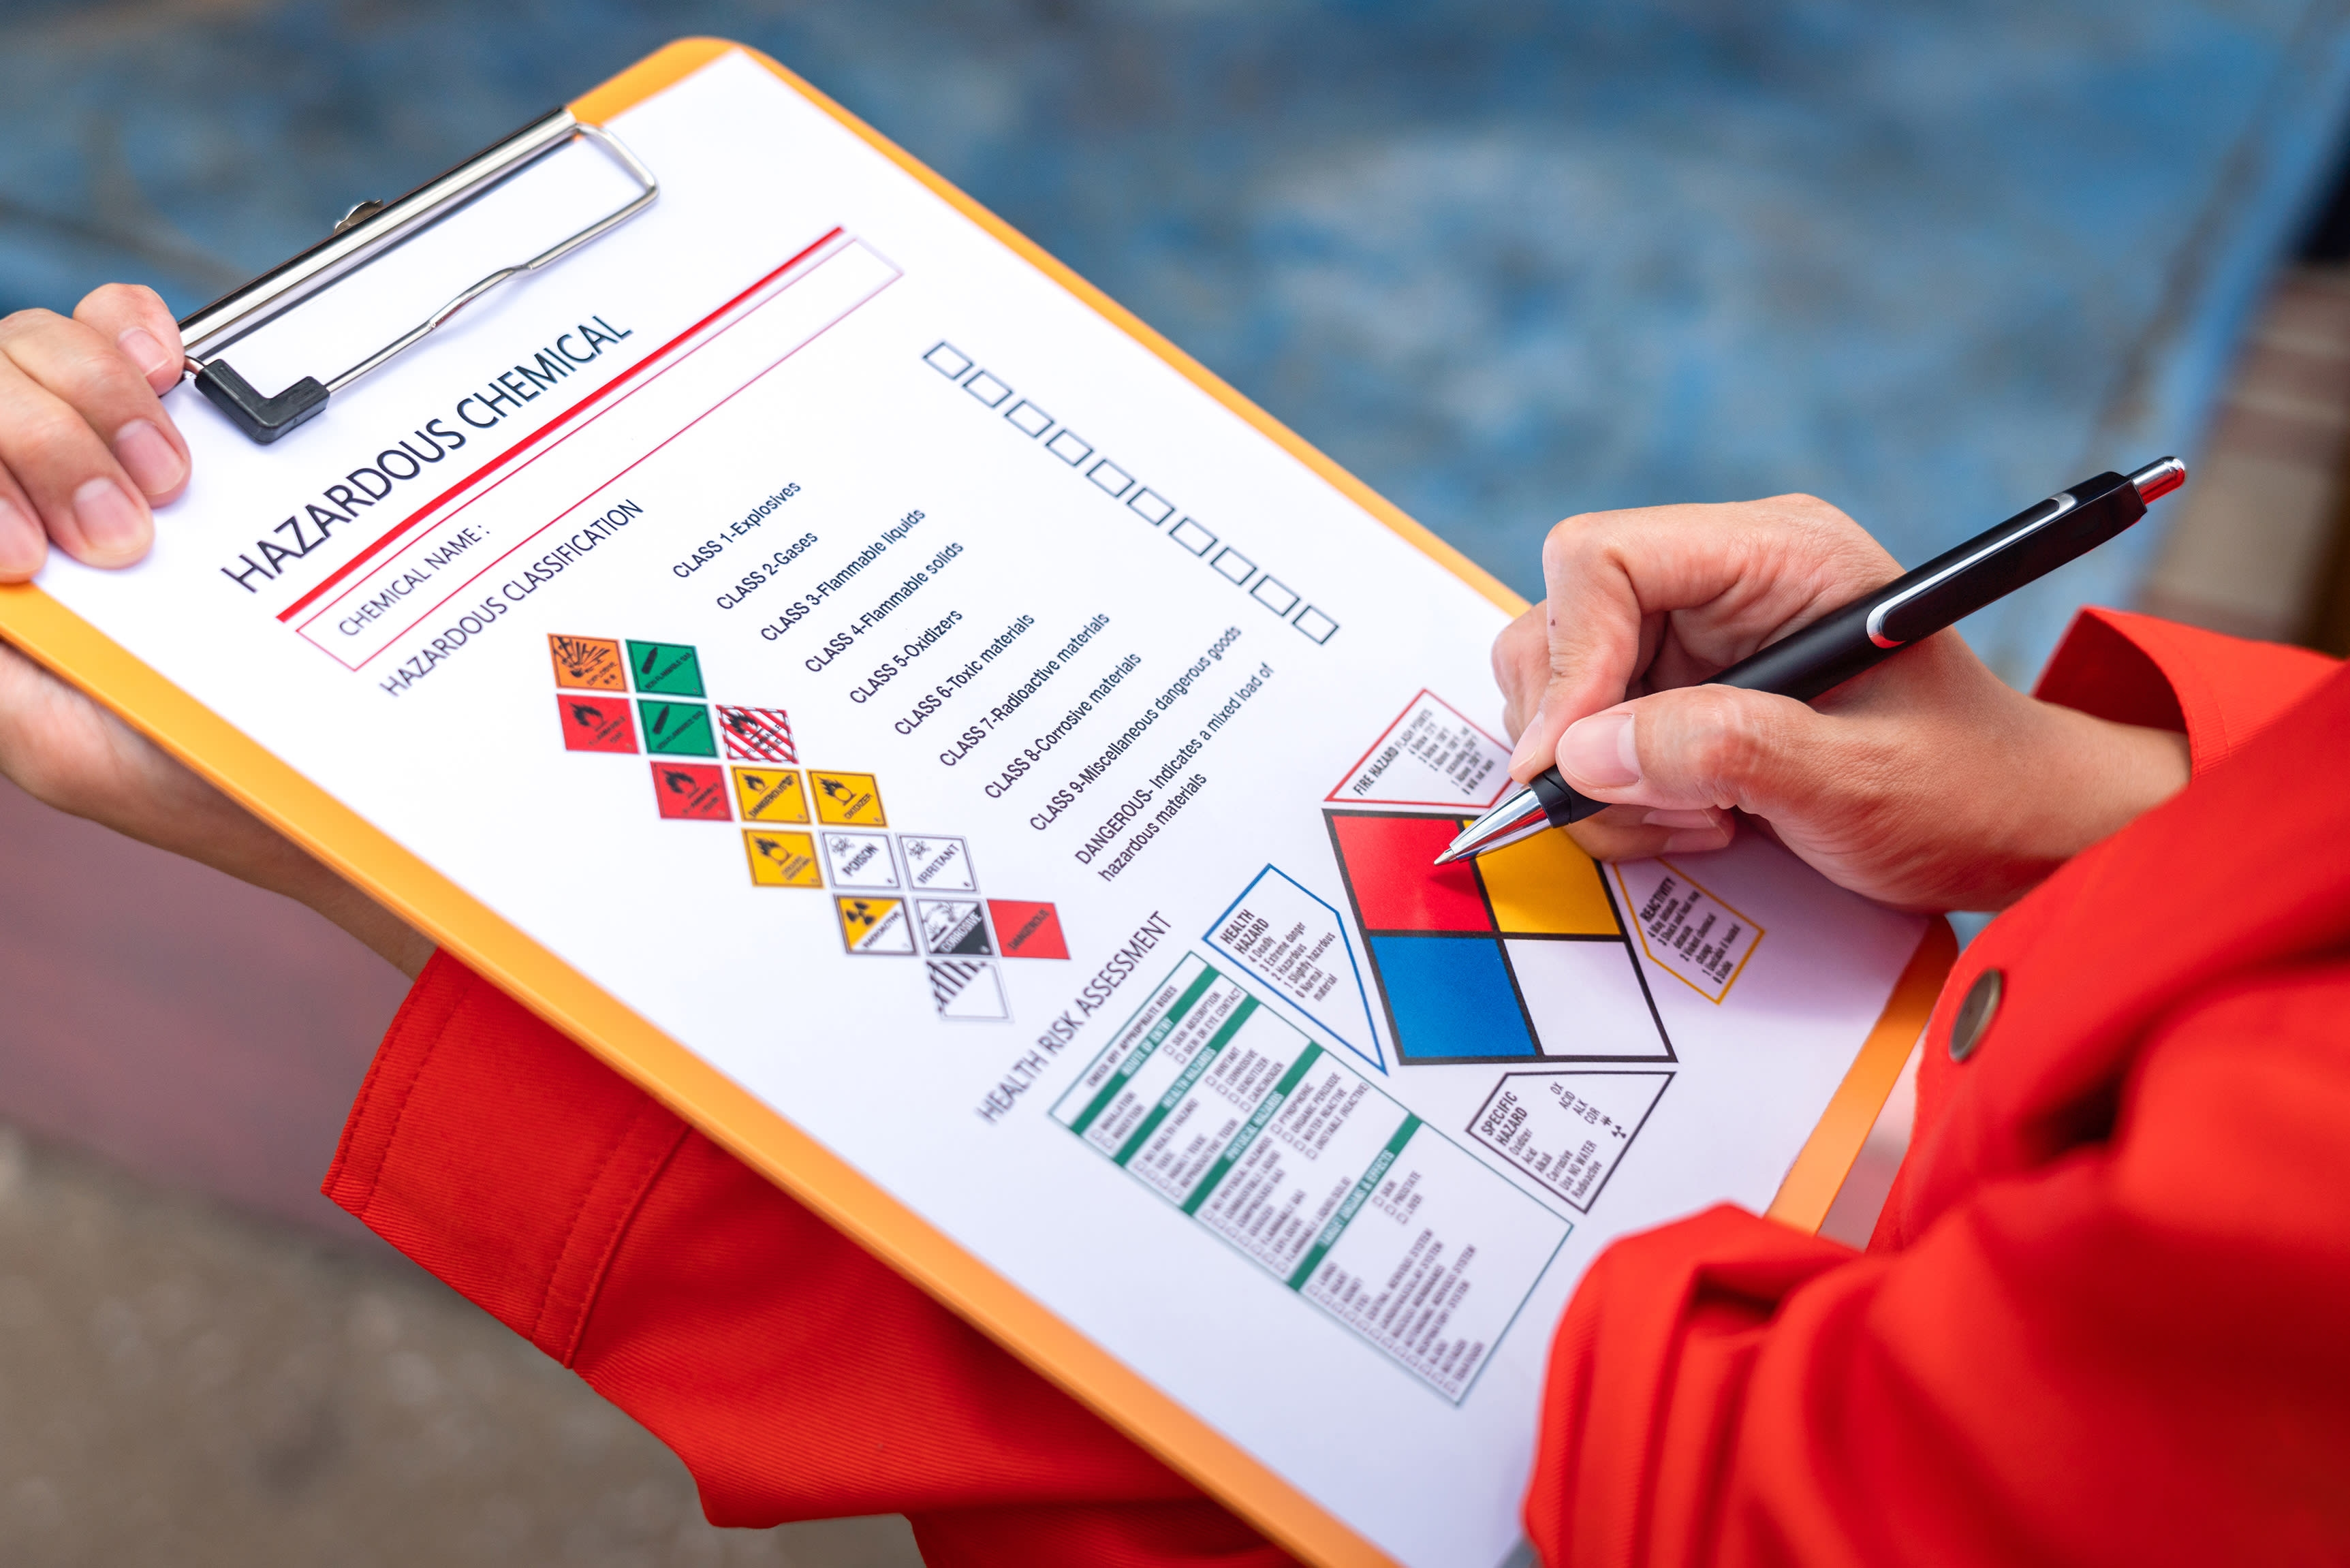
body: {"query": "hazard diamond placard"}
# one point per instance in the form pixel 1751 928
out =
pixel 757 734
pixel 847 800
pixel 770 795
pixel 596 724
pixel 589 663
pixel 1028 929
pixel 875 925
pixel 953 926
pixel 690 792
pixel 666 669
pixel 677 728
pixel 782 859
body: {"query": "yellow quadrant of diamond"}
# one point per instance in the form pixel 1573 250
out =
pixel 1546 886
pixel 782 859
pixel 770 795
pixel 847 800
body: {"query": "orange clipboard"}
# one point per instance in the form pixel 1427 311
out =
pixel 77 651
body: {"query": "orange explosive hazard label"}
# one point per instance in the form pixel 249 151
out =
pixel 589 663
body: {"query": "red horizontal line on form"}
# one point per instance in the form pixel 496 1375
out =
pixel 566 417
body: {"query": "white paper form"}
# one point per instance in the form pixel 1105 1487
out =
pixel 910 692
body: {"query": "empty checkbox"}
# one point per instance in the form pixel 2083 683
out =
pixel 1274 596
pixel 1317 626
pixel 987 390
pixel 1152 505
pixel 1110 477
pixel 1233 565
pixel 948 360
pixel 1192 537
pixel 1069 447
pixel 1028 419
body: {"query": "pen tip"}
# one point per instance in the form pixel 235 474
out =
pixel 1448 857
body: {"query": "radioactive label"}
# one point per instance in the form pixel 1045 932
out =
pixel 1028 929
pixel 782 859
pixel 967 988
pixel 596 724
pixel 770 795
pixel 847 800
pixel 690 792
pixel 677 728
pixel 668 668
pixel 860 860
pixel 757 734
pixel 875 925
pixel 589 663
pixel 952 926
pixel 936 864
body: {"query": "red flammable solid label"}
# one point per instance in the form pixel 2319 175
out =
pixel 690 792
pixel 596 723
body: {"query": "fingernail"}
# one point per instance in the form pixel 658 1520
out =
pixel 1697 841
pixel 151 358
pixel 1530 741
pixel 20 541
pixel 154 465
pixel 1599 750
pixel 1680 819
pixel 111 523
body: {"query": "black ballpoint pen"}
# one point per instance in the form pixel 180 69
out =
pixel 1875 627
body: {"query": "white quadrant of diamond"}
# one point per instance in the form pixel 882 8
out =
pixel 859 859
pixel 967 988
pixel 936 863
pixel 952 926
pixel 1587 1000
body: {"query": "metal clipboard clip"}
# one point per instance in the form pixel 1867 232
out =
pixel 367 233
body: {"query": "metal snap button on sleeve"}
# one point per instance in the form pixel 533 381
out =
pixel 1975 1013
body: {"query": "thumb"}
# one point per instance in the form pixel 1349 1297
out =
pixel 1700 746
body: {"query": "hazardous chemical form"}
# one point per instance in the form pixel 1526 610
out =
pixel 892 676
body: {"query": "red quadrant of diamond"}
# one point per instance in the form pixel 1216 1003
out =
pixel 1397 887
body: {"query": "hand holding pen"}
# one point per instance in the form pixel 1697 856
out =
pixel 1923 781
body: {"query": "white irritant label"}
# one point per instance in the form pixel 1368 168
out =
pixel 1684 929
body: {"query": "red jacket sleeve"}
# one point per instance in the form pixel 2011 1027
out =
pixel 797 1376
pixel 2019 1381
pixel 2115 1360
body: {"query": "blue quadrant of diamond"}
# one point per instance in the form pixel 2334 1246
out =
pixel 1451 997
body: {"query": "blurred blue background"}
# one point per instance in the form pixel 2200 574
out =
pixel 1930 259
